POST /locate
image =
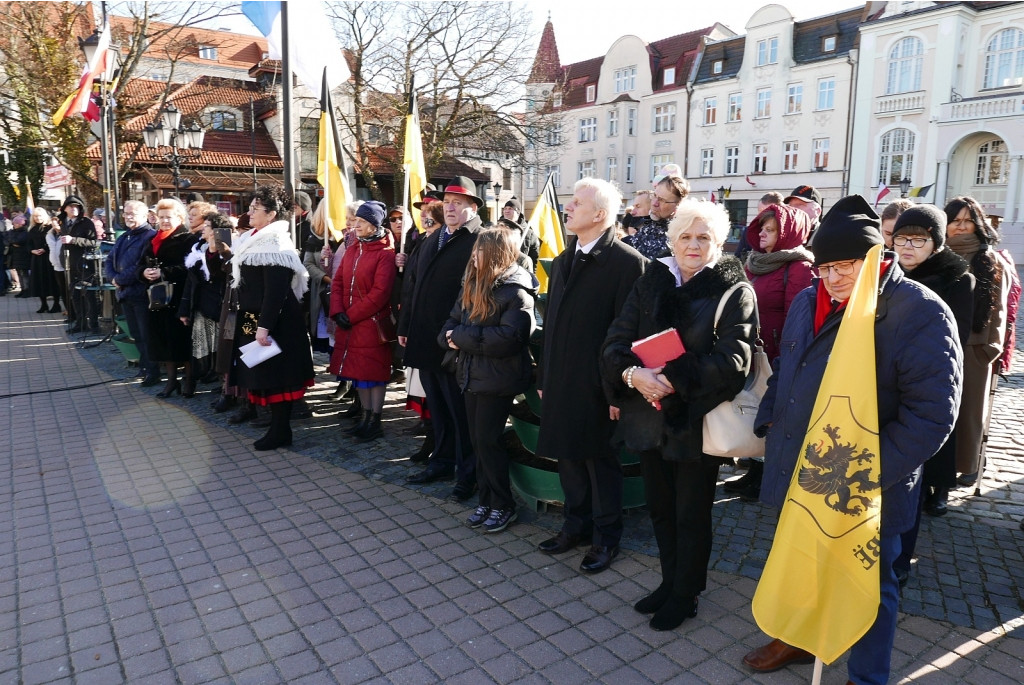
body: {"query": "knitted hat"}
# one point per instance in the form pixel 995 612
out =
pixel 928 217
pixel 372 212
pixel 848 231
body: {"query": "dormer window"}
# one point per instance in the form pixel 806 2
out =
pixel 716 67
pixel 767 51
pixel 669 76
pixel 207 52
pixel 591 93
pixel 223 120
pixel 828 44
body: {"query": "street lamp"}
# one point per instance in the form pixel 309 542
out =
pixel 497 202
pixel 108 137
pixel 904 186
pixel 721 194
pixel 186 142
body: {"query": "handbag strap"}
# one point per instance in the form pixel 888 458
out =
pixel 725 298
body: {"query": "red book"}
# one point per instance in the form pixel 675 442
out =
pixel 658 349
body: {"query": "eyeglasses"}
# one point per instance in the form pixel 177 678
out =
pixel 917 241
pixel 838 268
pixel 255 207
pixel 429 222
pixel 660 200
pixel 393 219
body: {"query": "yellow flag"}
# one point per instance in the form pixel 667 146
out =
pixel 62 111
pixel 547 221
pixel 330 165
pixel 412 159
pixel 820 587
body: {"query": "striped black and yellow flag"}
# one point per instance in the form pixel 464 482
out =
pixel 546 219
pixel 330 165
pixel 412 159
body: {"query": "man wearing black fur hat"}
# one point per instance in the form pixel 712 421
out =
pixel 79 237
pixel 918 371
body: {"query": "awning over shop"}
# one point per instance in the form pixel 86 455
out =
pixel 204 180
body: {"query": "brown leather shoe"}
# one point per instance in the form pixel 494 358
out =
pixel 775 655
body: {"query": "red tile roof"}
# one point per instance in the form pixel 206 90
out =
pixel 382 162
pixel 233 49
pixel 546 65
pixel 676 51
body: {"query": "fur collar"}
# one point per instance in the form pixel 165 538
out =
pixel 671 304
pixel 940 270
pixel 198 256
pixel 271 246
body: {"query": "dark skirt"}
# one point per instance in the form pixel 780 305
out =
pixel 42 282
pixel 169 339
pixel 281 378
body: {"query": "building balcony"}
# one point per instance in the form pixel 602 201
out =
pixel 982 108
pixel 900 103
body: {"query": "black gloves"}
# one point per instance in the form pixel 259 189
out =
pixel 342 321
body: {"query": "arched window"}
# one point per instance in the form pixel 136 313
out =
pixel 896 161
pixel 905 60
pixel 223 120
pixel 1004 59
pixel 991 163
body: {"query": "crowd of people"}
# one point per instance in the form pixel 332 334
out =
pixel 450 309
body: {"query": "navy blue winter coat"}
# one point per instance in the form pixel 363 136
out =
pixel 122 264
pixel 919 370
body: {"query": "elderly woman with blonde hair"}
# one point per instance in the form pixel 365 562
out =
pixel 170 340
pixel 663 408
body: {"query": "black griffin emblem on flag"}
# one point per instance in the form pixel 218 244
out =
pixel 825 473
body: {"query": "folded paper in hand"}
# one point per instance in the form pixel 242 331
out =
pixel 254 353
pixel 658 349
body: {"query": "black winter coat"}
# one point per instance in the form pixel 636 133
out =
pixel 947 275
pixel 574 417
pixel 494 357
pixel 169 339
pixel 19 255
pixel 202 294
pixel 711 371
pixel 83 239
pixel 433 280
pixel 41 279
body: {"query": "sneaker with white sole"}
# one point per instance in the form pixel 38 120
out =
pixel 479 517
pixel 499 520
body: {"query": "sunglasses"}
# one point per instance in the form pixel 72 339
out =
pixel 393 219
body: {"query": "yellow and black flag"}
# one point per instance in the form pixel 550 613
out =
pixel 546 219
pixel 820 587
pixel 412 159
pixel 330 165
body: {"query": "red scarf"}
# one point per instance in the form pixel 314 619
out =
pixel 159 238
pixel 825 306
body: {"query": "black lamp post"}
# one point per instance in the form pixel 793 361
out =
pixel 186 142
pixel 497 202
pixel 904 186
pixel 721 195
pixel 111 178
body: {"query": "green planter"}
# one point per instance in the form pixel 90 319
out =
pixel 122 325
pixel 127 347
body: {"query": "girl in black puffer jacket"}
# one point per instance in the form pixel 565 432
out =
pixel 488 330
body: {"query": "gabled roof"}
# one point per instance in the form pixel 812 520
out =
pixel 233 49
pixel 676 51
pixel 383 159
pixel 576 77
pixel 809 35
pixel 730 52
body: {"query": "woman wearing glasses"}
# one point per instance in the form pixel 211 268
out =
pixel 650 239
pixel 970 235
pixel 919 237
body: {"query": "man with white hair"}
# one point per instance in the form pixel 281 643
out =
pixel 589 283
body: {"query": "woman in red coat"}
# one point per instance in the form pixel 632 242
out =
pixel 779 267
pixel 360 306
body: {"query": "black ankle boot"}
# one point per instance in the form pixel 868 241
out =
pixel 655 600
pixel 751 477
pixel 364 419
pixel 280 433
pixel 935 502
pixel 355 411
pixel 339 394
pixel 371 430
pixel 426 449
pixel 673 612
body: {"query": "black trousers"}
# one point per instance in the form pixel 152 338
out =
pixel 487 416
pixel 593 498
pixel 452 445
pixel 136 313
pixel 680 495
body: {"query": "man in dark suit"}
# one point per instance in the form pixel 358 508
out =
pixel 589 284
pixel 433 279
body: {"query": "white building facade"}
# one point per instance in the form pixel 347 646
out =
pixel 940 101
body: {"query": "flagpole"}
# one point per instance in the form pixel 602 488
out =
pixel 286 106
pixel 405 206
pixel 816 677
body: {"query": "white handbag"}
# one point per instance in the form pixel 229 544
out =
pixel 729 427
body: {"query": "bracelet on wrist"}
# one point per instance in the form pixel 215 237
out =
pixel 629 376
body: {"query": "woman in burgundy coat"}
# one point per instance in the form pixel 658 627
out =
pixel 779 267
pixel 360 306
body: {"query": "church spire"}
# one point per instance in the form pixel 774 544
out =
pixel 546 65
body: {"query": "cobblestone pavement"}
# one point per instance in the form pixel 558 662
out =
pixel 144 541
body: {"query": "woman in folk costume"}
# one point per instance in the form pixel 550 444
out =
pixel 270 280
